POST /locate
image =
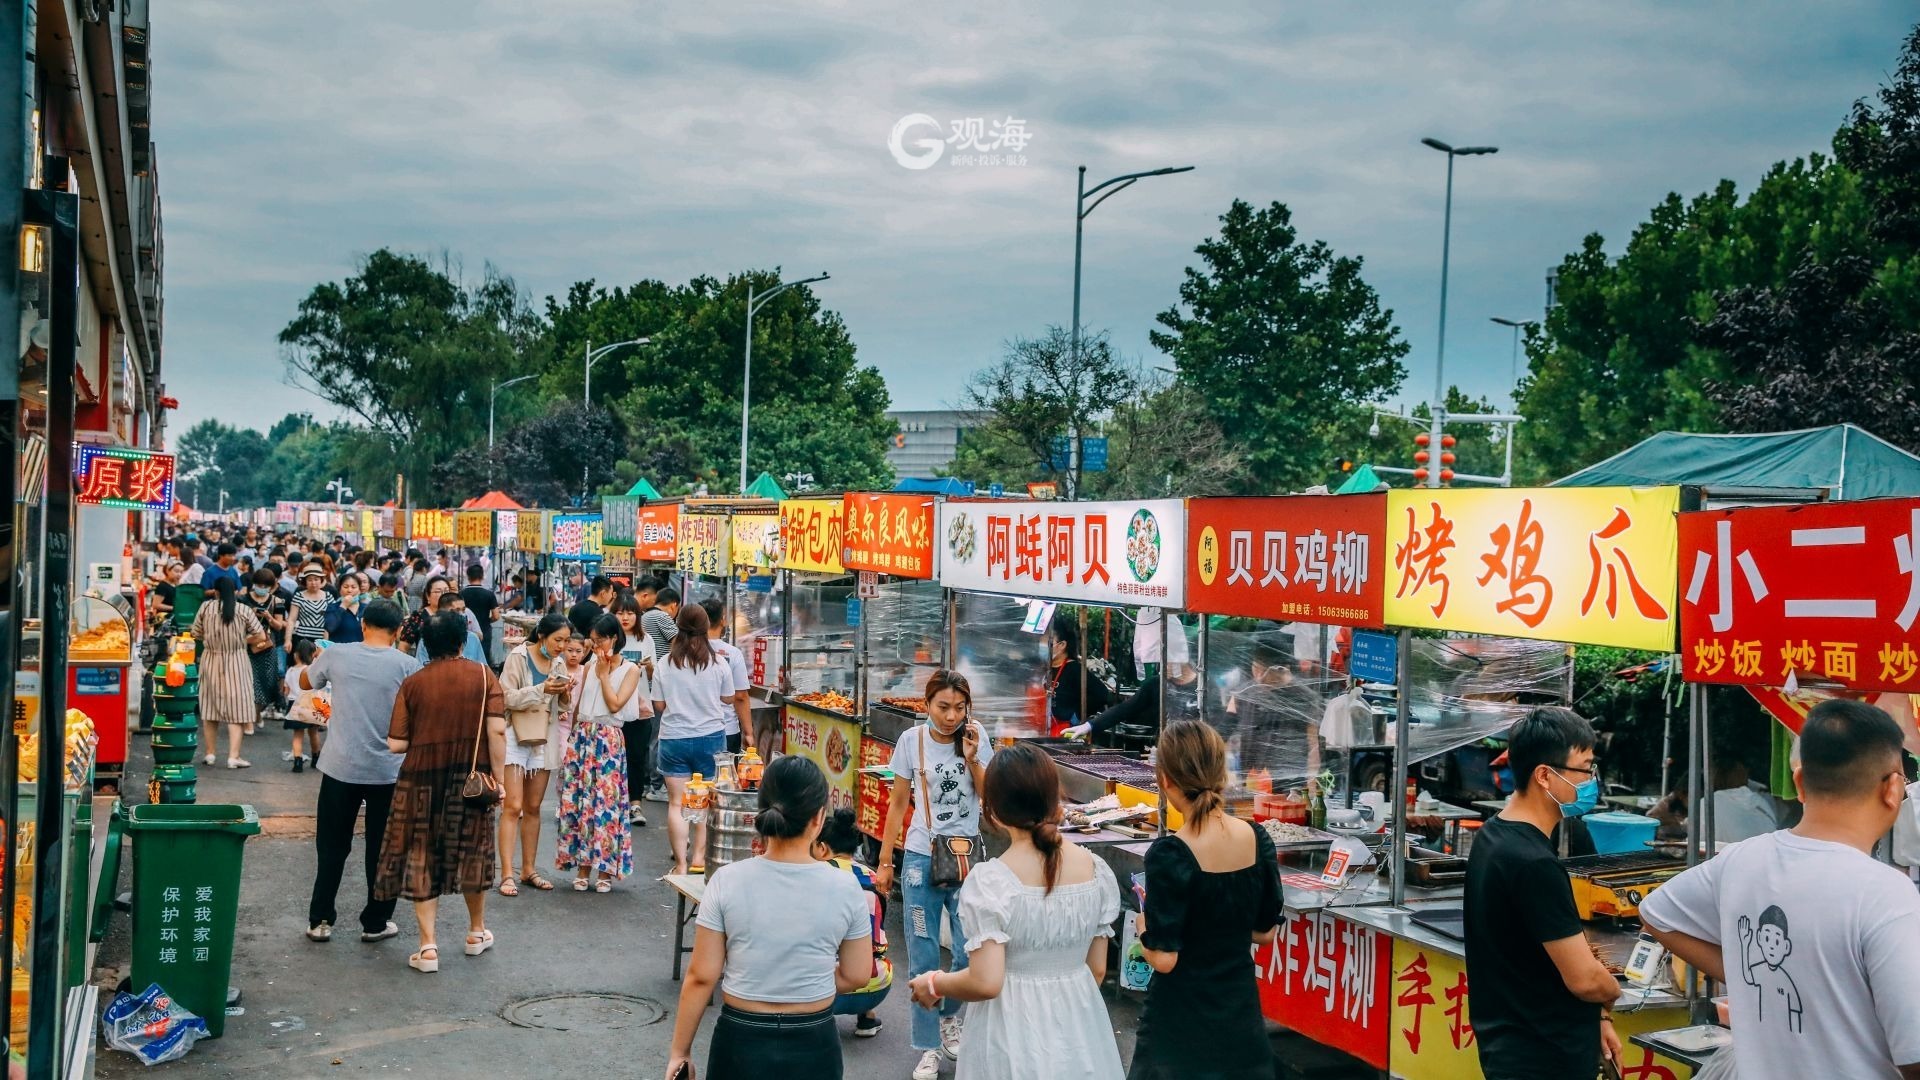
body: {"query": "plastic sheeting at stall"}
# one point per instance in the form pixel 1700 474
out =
pixel 1005 665
pixel 906 639
pixel 822 642
pixel 1284 726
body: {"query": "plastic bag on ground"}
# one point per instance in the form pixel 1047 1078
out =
pixel 151 1026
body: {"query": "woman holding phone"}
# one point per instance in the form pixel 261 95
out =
pixel 947 758
pixel 595 841
pixel 537 689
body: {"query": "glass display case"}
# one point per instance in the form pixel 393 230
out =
pixel 905 629
pixel 99 632
pixel 1006 666
pixel 822 643
pixel 755 628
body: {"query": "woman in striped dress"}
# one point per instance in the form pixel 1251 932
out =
pixel 225 633
pixel 310 606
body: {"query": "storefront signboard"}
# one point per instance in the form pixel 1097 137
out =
pixel 811 535
pixel 122 477
pixel 655 531
pixel 1326 978
pixel 1590 566
pixel 873 794
pixel 473 528
pixel 1120 553
pixel 1821 592
pixel 703 545
pixel 618 516
pixel 888 534
pixel 1296 558
pixel 531 534
pixel 753 541
pixel 831 743
pixel 576 536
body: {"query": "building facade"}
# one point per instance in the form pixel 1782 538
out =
pixel 928 439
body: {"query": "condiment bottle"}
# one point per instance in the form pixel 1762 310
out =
pixel 724 781
pixel 185 647
pixel 699 795
pixel 751 770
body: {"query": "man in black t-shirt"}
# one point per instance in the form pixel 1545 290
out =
pixel 1540 997
pixel 481 601
pixel 588 611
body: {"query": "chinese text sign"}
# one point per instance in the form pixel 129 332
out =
pixel 703 545
pixel 121 477
pixel 1122 553
pixel 889 534
pixel 810 535
pixel 1590 566
pixel 1310 558
pixel 1826 592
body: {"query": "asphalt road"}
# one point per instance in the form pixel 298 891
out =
pixel 346 1008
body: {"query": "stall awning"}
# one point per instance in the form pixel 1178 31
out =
pixel 764 488
pixel 1363 481
pixel 645 490
pixel 944 486
pixel 492 500
pixel 1850 462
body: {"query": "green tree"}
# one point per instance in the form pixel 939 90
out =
pixel 547 461
pixel 1041 390
pixel 1284 340
pixel 1164 443
pixel 409 348
pixel 301 464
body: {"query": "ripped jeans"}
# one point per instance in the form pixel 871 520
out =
pixel 925 905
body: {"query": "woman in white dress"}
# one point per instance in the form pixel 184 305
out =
pixel 1038 921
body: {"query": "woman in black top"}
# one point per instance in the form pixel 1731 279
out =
pixel 1063 679
pixel 1213 889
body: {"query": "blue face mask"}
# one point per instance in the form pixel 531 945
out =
pixel 1586 796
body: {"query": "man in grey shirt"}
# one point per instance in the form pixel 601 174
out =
pixel 659 622
pixel 356 768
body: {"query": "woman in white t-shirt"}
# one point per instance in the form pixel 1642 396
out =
pixel 950 749
pixel 693 695
pixel 637 648
pixel 781 934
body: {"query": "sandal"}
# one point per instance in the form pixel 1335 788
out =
pixel 479 943
pixel 580 884
pixel 423 963
pixel 508 888
pixel 604 885
pixel 535 881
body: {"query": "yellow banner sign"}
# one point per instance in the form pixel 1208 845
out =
pixel 473 528
pixel 531 531
pixel 755 542
pixel 810 536
pixel 1591 566
pixel 702 547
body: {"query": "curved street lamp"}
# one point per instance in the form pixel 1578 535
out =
pixel 746 379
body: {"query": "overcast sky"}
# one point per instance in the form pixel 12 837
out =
pixel 619 141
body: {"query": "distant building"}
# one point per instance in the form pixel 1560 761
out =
pixel 928 440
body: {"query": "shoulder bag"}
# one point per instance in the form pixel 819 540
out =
pixel 481 790
pixel 530 725
pixel 953 856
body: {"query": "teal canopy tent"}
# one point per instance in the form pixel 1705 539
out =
pixel 1850 462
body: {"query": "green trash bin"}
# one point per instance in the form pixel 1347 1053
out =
pixel 186 900
pixel 186 604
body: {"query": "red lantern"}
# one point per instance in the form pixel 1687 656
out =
pixel 1446 476
pixel 1446 459
pixel 1448 441
pixel 1420 457
pixel 1420 475
pixel 1422 439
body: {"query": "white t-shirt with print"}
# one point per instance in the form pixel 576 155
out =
pixel 737 670
pixel 1822 952
pixel 955 809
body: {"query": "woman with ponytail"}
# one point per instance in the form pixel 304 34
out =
pixel 1213 888
pixel 782 934
pixel 1038 921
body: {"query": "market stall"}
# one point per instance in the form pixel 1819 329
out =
pixel 573 541
pixel 820 638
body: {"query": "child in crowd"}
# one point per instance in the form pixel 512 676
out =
pixel 309 712
pixel 839 839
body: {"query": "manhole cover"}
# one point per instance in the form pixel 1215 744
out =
pixel 583 1012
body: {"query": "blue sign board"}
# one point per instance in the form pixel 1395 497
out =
pixel 1376 656
pixel 1093 454
pixel 996 490
pixel 99 681
pixel 761 583
pixel 853 612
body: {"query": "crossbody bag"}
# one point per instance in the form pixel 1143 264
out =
pixel 953 856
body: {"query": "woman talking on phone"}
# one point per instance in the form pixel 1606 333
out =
pixel 941 767
pixel 782 934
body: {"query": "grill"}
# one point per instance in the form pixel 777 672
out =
pixel 1614 886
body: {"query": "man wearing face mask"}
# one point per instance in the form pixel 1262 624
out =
pixel 1539 996
pixel 1817 942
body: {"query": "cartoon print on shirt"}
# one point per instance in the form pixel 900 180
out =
pixel 950 801
pixel 1766 971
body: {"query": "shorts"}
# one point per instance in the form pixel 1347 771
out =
pixel 681 758
pixel 529 758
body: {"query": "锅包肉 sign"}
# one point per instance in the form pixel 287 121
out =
pixel 888 534
pixel 810 535
pixel 1304 558
pixel 1591 566
pixel 1122 553
pixel 1826 592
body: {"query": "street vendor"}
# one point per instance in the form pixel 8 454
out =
pixel 1142 710
pixel 1072 694
pixel 1276 719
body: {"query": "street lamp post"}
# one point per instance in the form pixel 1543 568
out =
pixel 586 390
pixel 1446 251
pixel 1513 366
pixel 746 379
pixel 1080 212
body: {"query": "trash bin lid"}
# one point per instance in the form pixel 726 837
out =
pixel 194 817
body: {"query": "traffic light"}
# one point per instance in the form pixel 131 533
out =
pixel 1344 465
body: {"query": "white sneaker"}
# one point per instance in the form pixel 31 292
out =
pixel 929 1067
pixel 209 759
pixel 950 1036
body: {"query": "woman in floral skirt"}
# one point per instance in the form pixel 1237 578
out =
pixel 595 841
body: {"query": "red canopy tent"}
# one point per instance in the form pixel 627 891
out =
pixel 492 500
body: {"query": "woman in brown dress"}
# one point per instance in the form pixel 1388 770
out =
pixel 435 843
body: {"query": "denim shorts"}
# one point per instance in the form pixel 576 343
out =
pixel 683 757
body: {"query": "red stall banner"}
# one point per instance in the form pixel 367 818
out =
pixel 1820 592
pixel 888 534
pixel 1310 558
pixel 1329 979
pixel 654 533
